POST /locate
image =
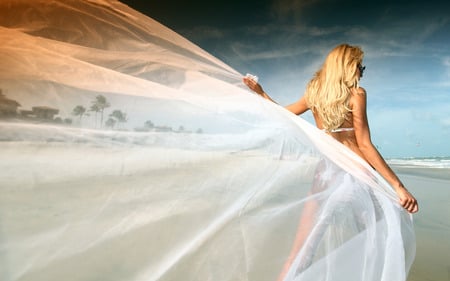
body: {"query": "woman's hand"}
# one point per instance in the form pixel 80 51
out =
pixel 407 200
pixel 253 85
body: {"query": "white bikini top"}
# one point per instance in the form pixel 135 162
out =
pixel 338 130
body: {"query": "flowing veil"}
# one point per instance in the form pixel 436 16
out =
pixel 129 153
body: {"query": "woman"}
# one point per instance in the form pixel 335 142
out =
pixel 338 104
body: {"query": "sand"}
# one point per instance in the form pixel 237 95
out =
pixel 69 192
pixel 431 187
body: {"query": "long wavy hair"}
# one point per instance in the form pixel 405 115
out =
pixel 328 92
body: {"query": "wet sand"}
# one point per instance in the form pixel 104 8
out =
pixel 431 187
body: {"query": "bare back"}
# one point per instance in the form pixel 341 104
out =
pixel 348 138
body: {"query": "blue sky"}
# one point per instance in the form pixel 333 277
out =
pixel 406 45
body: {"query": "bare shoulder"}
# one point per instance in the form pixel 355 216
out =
pixel 358 94
pixel 360 91
pixel 358 99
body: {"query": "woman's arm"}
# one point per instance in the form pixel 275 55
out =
pixel 371 154
pixel 256 87
pixel 297 107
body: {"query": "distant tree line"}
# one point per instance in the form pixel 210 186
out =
pixel 98 106
pixel 150 127
pixel 115 120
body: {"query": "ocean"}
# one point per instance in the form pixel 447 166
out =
pixel 431 162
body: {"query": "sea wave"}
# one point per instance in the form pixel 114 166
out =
pixel 422 162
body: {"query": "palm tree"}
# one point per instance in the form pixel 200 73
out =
pixel 110 123
pixel 79 110
pixel 99 105
pixel 96 109
pixel 120 116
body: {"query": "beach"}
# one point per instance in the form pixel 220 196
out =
pixel 60 188
pixel 431 187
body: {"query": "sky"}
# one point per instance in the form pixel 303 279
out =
pixel 406 48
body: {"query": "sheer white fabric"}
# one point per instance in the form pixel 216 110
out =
pixel 173 170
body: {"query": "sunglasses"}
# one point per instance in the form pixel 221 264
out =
pixel 361 69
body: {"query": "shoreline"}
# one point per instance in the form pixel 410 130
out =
pixel 422 171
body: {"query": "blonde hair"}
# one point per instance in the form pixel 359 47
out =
pixel 328 92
